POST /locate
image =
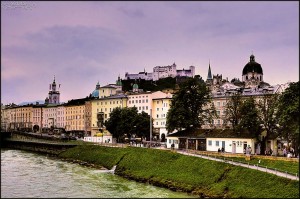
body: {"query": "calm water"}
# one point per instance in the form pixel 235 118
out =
pixel 26 174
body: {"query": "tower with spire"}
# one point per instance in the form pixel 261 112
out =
pixel 209 76
pixel 53 95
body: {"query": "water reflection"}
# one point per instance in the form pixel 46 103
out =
pixel 25 174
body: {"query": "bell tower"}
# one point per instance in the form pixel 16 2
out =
pixel 54 95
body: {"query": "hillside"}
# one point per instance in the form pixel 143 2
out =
pixel 177 172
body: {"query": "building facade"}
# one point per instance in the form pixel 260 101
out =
pixel 160 72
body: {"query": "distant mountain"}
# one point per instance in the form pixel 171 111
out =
pixel 34 102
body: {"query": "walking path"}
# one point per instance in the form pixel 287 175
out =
pixel 278 173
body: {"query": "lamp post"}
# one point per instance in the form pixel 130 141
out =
pixel 150 126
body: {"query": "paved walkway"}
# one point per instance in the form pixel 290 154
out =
pixel 278 173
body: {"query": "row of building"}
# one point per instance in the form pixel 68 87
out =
pixel 87 115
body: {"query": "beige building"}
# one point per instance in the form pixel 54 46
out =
pixel 37 116
pixel 160 108
pixel 75 116
pixel 60 116
pixel 101 109
pixel 88 117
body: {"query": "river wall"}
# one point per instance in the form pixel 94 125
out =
pixel 34 142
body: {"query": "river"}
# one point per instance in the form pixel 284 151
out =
pixel 26 174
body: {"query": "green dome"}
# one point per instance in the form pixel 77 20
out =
pixel 135 86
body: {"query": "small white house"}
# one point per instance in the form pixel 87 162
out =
pixel 104 137
pixel 213 140
pixel 172 140
pixel 230 145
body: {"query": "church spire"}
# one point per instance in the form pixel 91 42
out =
pixel 209 77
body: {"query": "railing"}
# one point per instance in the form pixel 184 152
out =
pixel 229 158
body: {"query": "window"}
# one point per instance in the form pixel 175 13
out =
pixel 209 142
pixel 157 116
pixel 157 102
pixel 217 143
pixel 157 109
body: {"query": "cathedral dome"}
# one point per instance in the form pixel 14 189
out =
pixel 252 66
pixel 95 93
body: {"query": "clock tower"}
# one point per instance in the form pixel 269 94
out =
pixel 54 94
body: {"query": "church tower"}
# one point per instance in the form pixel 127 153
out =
pixel 54 95
pixel 252 73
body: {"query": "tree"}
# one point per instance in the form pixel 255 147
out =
pixel 233 110
pixel 187 109
pixel 267 108
pixel 127 121
pixel 142 125
pixel 288 115
pixel 113 124
pixel 249 117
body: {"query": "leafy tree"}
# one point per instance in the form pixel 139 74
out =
pixel 113 124
pixel 288 114
pixel 249 117
pixel 233 111
pixel 142 125
pixel 127 121
pixel 267 108
pixel 187 109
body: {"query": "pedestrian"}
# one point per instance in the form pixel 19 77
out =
pixel 222 149
pixel 219 150
pixel 284 152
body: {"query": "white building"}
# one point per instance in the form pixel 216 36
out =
pixel 160 72
pixel 49 116
pixel 160 109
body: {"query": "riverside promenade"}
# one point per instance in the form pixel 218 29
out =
pixel 255 167
pixel 190 153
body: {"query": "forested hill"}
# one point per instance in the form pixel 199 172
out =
pixel 150 85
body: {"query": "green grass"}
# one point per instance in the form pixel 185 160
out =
pixel 186 173
pixel 280 165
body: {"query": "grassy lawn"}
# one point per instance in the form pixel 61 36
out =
pixel 187 173
pixel 280 165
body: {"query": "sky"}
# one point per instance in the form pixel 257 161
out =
pixel 81 43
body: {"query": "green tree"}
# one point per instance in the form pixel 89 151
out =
pixel 127 121
pixel 249 117
pixel 113 124
pixel 288 115
pixel 142 125
pixel 187 109
pixel 267 108
pixel 233 111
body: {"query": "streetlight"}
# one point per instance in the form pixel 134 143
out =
pixel 150 127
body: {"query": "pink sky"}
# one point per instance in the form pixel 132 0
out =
pixel 82 43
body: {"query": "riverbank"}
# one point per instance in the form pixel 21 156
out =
pixel 201 177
